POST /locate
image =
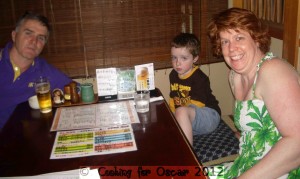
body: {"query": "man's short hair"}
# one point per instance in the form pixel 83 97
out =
pixel 29 15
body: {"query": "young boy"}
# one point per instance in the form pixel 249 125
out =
pixel 196 108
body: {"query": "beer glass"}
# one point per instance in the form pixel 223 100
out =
pixel 42 89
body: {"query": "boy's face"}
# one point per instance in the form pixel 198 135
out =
pixel 182 60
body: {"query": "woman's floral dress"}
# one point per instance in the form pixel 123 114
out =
pixel 258 133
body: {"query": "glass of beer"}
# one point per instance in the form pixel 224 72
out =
pixel 42 89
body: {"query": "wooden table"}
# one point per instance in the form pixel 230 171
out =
pixel 26 143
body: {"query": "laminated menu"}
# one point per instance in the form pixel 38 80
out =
pixel 94 129
pixel 95 115
pixel 98 141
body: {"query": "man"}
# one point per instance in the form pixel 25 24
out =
pixel 20 64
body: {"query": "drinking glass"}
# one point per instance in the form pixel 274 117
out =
pixel 42 89
pixel 141 99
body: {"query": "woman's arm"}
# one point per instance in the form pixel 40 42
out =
pixel 278 86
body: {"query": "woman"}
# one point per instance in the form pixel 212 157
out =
pixel 267 94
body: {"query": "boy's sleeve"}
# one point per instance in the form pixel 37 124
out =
pixel 172 105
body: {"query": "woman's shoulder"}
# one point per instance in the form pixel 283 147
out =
pixel 276 67
pixel 274 74
pixel 274 60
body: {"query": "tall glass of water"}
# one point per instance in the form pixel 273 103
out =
pixel 42 89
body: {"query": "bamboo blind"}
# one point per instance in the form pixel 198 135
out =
pixel 271 11
pixel 91 34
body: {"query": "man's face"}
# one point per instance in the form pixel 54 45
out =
pixel 29 39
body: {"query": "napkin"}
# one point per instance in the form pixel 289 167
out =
pixel 159 98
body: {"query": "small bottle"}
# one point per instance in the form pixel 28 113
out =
pixel 67 90
pixel 74 93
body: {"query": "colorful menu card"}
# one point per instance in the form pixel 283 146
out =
pixel 121 83
pixel 126 83
pixel 144 75
pixel 94 129
pixel 88 142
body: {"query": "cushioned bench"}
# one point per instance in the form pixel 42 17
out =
pixel 219 146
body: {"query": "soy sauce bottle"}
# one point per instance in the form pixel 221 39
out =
pixel 74 93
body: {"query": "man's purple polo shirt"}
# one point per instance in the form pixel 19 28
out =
pixel 14 92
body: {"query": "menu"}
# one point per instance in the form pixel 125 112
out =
pixel 107 83
pixel 95 115
pixel 144 75
pixel 121 83
pixel 94 129
pixel 126 83
pixel 88 142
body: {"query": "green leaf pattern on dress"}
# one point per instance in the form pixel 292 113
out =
pixel 258 134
